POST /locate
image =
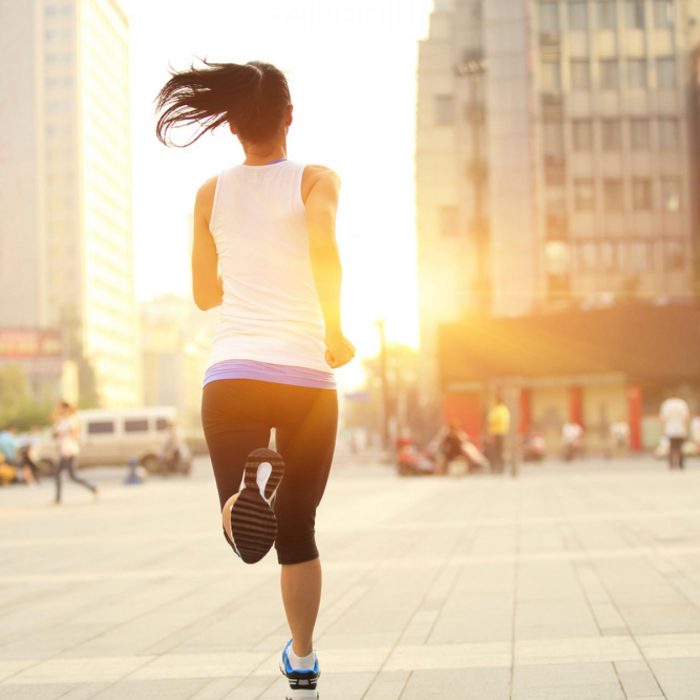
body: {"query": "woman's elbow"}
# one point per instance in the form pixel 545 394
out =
pixel 207 301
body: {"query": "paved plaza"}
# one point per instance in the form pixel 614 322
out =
pixel 572 582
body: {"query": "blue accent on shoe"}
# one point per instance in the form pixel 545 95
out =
pixel 298 677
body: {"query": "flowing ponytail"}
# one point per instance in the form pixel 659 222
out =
pixel 252 96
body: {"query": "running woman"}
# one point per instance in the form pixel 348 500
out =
pixel 264 249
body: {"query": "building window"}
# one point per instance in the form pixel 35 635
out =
pixel 609 77
pixel 556 255
pixel 449 220
pixel 608 256
pixel 669 137
pixel 551 76
pixel 611 134
pixel 639 134
pixel 584 194
pixel 634 14
pixel 675 255
pixel 587 258
pixel 549 18
pixel 613 196
pixel 637 73
pixel 444 110
pixel 553 138
pixel 666 72
pixel 578 15
pixel 638 256
pixel 663 13
pixel 582 134
pixel 671 194
pixel 641 194
pixel 555 203
pixel 607 18
pixel 580 74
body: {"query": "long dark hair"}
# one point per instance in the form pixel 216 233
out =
pixel 252 96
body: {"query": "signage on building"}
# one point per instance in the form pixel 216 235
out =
pixel 37 350
pixel 29 343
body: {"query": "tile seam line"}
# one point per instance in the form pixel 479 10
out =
pixel 605 587
pixel 446 565
pixel 516 578
pixel 335 619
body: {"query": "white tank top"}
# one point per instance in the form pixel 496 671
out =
pixel 270 310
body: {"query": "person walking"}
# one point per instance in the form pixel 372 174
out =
pixel 65 431
pixel 264 249
pixel 572 440
pixel 498 427
pixel 9 443
pixel 675 417
pixel 28 450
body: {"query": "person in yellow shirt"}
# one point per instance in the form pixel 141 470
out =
pixel 498 428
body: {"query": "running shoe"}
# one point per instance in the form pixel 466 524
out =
pixel 253 526
pixel 302 682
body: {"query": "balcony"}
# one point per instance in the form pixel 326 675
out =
pixel 552 106
pixel 550 45
pixel 556 227
pixel 554 170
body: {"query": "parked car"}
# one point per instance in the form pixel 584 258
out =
pixel 116 436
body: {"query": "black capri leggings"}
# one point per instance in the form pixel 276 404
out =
pixel 237 416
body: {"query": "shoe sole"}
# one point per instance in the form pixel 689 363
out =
pixel 302 695
pixel 253 522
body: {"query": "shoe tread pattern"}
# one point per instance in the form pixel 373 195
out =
pixel 253 522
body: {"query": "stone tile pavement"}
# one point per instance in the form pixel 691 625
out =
pixel 573 582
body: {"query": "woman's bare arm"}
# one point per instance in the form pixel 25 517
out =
pixel 206 285
pixel 320 190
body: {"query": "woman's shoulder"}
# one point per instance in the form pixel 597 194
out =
pixel 207 189
pixel 316 174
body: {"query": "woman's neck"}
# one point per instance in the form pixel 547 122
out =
pixel 262 154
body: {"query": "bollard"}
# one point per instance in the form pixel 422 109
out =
pixel 133 477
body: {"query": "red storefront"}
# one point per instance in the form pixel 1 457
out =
pixel 588 366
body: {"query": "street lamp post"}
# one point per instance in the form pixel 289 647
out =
pixel 385 383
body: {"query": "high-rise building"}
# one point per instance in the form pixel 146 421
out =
pixel 176 341
pixel 66 259
pixel 553 163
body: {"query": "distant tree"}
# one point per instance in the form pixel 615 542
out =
pixel 16 403
pixel 14 391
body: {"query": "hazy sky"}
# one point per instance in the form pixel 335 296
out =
pixel 351 65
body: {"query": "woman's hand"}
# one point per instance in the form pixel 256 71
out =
pixel 339 350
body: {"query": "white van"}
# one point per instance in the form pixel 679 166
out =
pixel 116 436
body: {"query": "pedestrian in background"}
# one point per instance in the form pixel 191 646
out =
pixel 572 440
pixel 498 428
pixel 675 417
pixel 8 443
pixel 66 431
pixel 620 437
pixel 173 449
pixel 27 455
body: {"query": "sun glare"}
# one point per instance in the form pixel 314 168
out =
pixel 370 147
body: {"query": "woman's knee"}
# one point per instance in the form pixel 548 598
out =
pixel 296 542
